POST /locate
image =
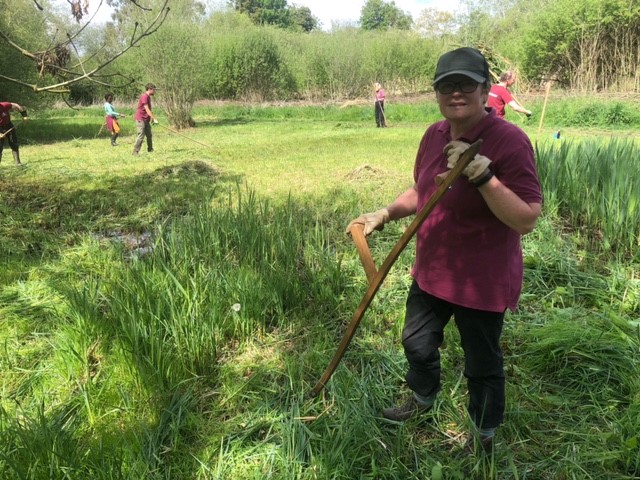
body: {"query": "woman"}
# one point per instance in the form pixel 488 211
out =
pixel 112 118
pixel 379 104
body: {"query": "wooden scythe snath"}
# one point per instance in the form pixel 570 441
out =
pixel 2 135
pixel 376 277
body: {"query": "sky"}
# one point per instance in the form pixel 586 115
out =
pixel 338 11
pixel 342 11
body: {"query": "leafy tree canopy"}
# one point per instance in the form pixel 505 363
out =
pixel 278 13
pixel 584 44
pixel 434 23
pixel 381 15
pixel 303 19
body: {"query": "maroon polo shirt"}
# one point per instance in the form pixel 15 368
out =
pixel 141 114
pixel 464 254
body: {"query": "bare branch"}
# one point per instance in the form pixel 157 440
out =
pixel 80 30
pixel 140 6
pixel 33 87
pixel 38 5
pixel 54 60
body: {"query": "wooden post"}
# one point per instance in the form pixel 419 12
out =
pixel 544 105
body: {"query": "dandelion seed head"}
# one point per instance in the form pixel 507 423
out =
pixel 235 307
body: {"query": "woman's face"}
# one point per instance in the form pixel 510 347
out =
pixel 464 103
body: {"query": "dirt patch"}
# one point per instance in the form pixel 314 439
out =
pixel 135 244
pixel 195 168
pixel 365 172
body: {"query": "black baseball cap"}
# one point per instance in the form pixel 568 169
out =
pixel 462 61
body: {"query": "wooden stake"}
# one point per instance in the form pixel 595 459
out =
pixel 544 106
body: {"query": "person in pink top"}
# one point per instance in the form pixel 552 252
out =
pixel 8 129
pixel 468 263
pixel 143 117
pixel 379 106
pixel 499 96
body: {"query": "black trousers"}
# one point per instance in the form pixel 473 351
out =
pixel 11 137
pixel 422 336
pixel 380 120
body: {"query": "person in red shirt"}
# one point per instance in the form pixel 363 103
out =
pixel 499 96
pixel 143 117
pixel 468 261
pixel 8 129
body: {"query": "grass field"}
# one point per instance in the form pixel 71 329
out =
pixel 164 316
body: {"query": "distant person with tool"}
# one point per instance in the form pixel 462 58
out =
pixel 143 117
pixel 379 106
pixel 468 262
pixel 8 129
pixel 499 96
pixel 111 118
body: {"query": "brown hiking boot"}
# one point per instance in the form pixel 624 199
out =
pixel 479 444
pixel 405 411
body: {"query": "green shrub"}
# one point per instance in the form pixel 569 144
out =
pixel 247 64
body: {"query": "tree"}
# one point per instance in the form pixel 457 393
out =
pixel 303 19
pixel 21 21
pixel 381 15
pixel 181 72
pixel 275 12
pixel 269 12
pixel 434 23
pixel 57 57
pixel 589 45
pixel 174 58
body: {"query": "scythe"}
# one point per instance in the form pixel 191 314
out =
pixel 376 277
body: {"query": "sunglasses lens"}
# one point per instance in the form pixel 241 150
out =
pixel 468 86
pixel 446 87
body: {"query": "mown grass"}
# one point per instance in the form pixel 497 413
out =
pixel 194 360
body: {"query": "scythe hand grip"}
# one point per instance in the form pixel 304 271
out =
pixel 381 274
pixel 357 234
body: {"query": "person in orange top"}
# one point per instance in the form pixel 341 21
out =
pixel 111 118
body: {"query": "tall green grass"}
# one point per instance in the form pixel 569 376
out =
pixel 193 361
pixel 219 275
pixel 595 184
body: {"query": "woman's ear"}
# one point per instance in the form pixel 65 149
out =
pixel 485 92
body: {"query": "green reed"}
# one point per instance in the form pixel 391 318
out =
pixel 221 273
pixel 595 185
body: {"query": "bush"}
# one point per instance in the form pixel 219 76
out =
pixel 246 63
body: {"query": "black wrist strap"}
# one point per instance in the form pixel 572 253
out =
pixel 23 113
pixel 484 179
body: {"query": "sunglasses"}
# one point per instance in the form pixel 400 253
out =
pixel 465 86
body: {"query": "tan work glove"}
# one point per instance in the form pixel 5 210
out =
pixel 476 168
pixel 370 221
